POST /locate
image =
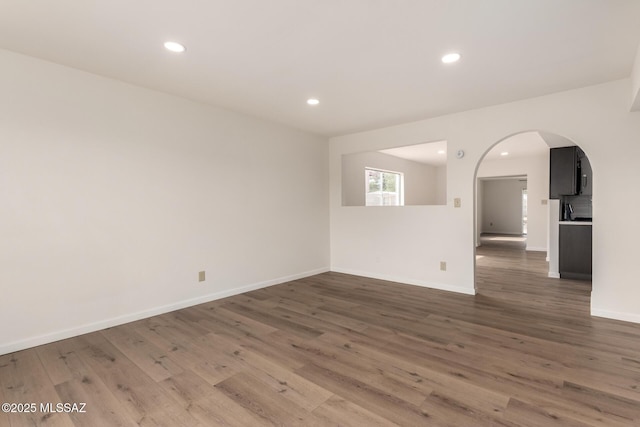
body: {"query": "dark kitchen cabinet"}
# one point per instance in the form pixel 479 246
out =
pixel 563 172
pixel 569 173
pixel 575 251
pixel 586 175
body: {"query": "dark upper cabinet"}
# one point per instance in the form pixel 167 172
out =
pixel 586 175
pixel 569 173
pixel 563 172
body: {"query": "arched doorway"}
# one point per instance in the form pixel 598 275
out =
pixel 517 225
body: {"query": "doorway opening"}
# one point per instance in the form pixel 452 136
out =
pixel 502 206
pixel 517 228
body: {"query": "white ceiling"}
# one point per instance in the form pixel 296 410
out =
pixel 429 153
pixel 372 63
pixel 525 144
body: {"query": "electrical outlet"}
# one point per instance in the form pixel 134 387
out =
pixel 443 265
pixel 201 276
pixel 457 202
pixel 544 201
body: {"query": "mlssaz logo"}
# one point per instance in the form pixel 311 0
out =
pixel 63 407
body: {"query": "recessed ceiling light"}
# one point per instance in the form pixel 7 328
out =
pixel 313 101
pixel 441 152
pixel 451 57
pixel 504 153
pixel 174 47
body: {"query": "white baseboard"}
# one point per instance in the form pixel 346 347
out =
pixel 554 275
pixel 107 323
pixel 536 249
pixel 439 286
pixel 627 317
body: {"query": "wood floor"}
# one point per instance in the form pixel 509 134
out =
pixel 336 349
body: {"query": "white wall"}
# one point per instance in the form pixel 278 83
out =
pixel 536 168
pixel 113 197
pixel 596 118
pixel 635 83
pixel 502 206
pixel 441 186
pixel 479 211
pixel 421 184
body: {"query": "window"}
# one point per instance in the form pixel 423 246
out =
pixel 422 169
pixel 384 188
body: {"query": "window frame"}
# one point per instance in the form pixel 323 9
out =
pixel 400 182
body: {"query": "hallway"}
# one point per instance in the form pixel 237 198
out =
pixel 506 271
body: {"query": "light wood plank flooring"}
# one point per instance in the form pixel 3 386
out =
pixel 335 349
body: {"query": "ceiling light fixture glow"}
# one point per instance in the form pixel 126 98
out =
pixel 451 57
pixel 174 47
pixel 441 152
pixel 504 153
pixel 313 101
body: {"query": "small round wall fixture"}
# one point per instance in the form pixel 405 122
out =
pixel 460 154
